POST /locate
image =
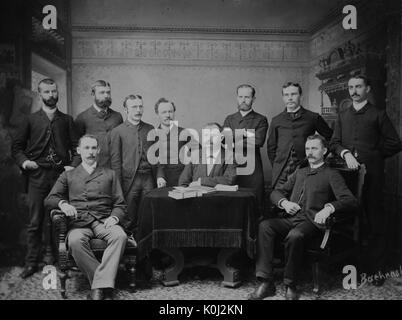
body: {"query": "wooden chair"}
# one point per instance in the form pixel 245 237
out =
pixel 66 262
pixel 341 239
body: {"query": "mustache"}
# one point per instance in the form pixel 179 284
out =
pixel 355 95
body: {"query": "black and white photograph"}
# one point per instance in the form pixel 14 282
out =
pixel 200 153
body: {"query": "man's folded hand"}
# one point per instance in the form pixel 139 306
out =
pixel 68 209
pixel 322 215
pixel 110 222
pixel 290 207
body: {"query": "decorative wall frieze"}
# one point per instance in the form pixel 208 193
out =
pixel 189 50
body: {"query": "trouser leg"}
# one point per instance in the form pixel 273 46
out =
pixel 269 231
pixel 143 183
pixel 378 221
pixel 294 248
pixel 78 243
pixel 105 273
pixel 39 184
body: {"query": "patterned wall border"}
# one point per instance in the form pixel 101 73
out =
pixel 233 51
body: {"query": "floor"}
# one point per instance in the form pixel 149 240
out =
pixel 195 284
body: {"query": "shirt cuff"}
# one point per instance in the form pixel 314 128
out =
pixel 343 152
pixel 280 203
pixel 24 163
pixel 61 202
pixel 329 205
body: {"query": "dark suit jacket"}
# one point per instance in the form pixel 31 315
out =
pixel 259 123
pixel 368 131
pixel 286 133
pixel 98 194
pixel 166 169
pixel 127 145
pixel 36 130
pixel 91 121
pixel 222 173
pixel 321 186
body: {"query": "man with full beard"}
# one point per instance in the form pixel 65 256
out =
pixel 99 119
pixel 43 146
pixel 246 118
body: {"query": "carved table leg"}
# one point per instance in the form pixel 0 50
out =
pixel 172 272
pixel 231 276
pixel 316 278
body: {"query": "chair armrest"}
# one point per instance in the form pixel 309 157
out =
pixel 340 218
pixel 60 225
pixel 59 222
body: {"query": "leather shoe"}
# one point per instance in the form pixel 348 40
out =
pixel 28 271
pixel 291 293
pixel 96 294
pixel 265 289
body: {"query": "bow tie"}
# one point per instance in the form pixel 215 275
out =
pixel 293 114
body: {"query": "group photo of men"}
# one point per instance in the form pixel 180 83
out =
pixel 200 150
pixel 96 169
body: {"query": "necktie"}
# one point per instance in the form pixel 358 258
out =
pixel 210 164
pixel 103 113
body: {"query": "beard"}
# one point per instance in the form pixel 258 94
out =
pixel 103 103
pixel 51 102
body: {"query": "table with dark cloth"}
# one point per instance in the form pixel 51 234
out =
pixel 221 219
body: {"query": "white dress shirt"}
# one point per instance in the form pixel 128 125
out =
pixel 244 113
pixel 212 161
pixel 88 168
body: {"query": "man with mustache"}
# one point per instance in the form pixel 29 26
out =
pixel 43 147
pixel 288 133
pixel 247 118
pixel 169 166
pixel 128 154
pixel 214 166
pixel 308 197
pixel 99 119
pixel 92 199
pixel 364 134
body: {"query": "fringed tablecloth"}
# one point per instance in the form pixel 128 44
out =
pixel 216 220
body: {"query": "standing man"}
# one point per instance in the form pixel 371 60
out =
pixel 247 118
pixel 364 134
pixel 169 166
pixel 309 197
pixel 288 133
pixel 129 147
pixel 44 146
pixel 92 198
pixel 99 119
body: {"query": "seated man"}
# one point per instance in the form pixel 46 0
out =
pixel 212 168
pixel 314 192
pixel 92 198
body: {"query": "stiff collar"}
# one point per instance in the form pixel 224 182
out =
pixel 99 109
pixel 315 169
pixel 48 110
pixel 244 113
pixel 359 105
pixel 294 111
pixel 88 168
